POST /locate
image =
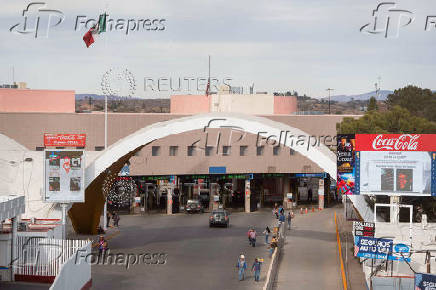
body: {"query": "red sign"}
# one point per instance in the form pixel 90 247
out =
pixel 395 142
pixel 64 140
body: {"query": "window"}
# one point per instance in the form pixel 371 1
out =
pixel 40 148
pixel 227 150
pixel 259 150
pixel 191 150
pixel 291 151
pixel 208 150
pixel 155 150
pixel 276 150
pixel 243 150
pixel 173 150
pixel 99 148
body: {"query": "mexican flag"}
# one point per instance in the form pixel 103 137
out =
pixel 100 27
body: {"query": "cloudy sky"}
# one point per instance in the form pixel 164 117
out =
pixel 279 45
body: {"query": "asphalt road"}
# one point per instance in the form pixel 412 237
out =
pixel 198 257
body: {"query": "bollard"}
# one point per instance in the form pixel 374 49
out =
pixel 306 210
pixel 301 210
pixel 313 209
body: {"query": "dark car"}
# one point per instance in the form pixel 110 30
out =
pixel 219 217
pixel 194 206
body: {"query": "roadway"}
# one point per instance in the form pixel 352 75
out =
pixel 198 257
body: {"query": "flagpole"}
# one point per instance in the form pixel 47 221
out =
pixel 105 225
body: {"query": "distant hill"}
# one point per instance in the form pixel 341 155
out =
pixel 383 94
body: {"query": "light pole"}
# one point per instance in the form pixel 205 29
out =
pixel 329 90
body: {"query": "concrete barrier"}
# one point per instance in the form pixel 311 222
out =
pixel 74 275
pixel 274 264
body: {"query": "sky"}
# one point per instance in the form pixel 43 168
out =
pixel 278 45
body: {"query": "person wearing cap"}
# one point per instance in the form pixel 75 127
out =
pixel 241 265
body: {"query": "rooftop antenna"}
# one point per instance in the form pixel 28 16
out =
pixel 208 81
pixel 329 90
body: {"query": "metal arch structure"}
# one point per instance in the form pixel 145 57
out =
pixel 85 217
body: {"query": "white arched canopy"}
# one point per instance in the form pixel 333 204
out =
pixel 319 154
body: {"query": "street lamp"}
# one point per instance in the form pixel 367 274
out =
pixel 329 90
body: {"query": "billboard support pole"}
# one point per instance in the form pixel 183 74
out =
pixel 64 218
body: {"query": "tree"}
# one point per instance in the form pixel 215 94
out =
pixel 372 105
pixel 418 101
pixel 398 120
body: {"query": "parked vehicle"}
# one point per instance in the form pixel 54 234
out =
pixel 194 206
pixel 219 217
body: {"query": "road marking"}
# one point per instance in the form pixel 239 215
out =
pixel 344 280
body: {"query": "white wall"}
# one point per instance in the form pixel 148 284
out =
pixel 247 104
pixel 20 177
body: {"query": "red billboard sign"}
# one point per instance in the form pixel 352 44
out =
pixel 64 140
pixel 395 142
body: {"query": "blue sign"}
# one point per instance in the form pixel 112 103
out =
pixel 125 171
pixel 425 281
pixel 314 175
pixel 376 248
pixel 373 248
pixel 401 252
pixel 217 170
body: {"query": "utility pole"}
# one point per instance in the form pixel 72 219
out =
pixel 329 90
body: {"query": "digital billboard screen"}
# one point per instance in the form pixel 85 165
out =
pixel 387 164
pixel 64 176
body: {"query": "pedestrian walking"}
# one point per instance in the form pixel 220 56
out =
pixel 309 195
pixel 289 219
pixel 116 218
pixel 282 218
pixel 252 237
pixel 241 265
pixel 276 211
pixel 108 218
pixel 102 246
pixel 267 232
pixel 256 268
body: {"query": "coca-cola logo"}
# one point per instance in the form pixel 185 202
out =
pixel 405 142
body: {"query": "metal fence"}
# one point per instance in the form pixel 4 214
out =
pixel 38 256
pixel 392 283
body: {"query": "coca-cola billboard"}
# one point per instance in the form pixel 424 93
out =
pixel 64 140
pixel 395 142
pixel 387 164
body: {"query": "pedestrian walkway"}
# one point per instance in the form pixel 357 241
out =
pixel 310 257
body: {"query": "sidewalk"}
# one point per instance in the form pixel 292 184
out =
pixel 310 256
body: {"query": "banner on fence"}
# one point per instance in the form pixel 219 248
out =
pixel 377 248
pixel 425 281
pixel 363 229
